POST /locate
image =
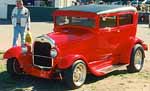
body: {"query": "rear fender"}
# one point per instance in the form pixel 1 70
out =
pixel 139 41
pixel 68 61
pixel 13 52
pixel 127 53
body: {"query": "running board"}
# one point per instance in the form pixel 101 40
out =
pixel 111 68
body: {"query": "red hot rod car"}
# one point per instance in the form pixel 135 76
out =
pixel 94 39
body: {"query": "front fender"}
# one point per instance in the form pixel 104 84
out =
pixel 67 61
pixel 12 52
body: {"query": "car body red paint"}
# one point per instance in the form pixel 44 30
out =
pixel 99 47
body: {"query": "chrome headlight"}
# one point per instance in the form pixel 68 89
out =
pixel 53 53
pixel 24 49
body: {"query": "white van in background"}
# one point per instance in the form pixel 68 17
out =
pixel 3 7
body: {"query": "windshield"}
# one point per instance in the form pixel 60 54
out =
pixel 75 21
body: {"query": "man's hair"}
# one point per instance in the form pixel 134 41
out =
pixel 19 1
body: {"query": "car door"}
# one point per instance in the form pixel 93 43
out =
pixel 127 29
pixel 108 37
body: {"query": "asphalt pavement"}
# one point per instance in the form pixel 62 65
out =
pixel 6 33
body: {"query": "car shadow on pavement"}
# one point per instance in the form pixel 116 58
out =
pixel 29 83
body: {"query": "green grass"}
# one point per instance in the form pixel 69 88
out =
pixel 2 66
pixel 1 52
pixel 125 75
pixel 1 55
pixel 6 82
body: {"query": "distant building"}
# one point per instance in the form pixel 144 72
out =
pixel 63 3
pixel 35 3
pixel 3 7
pixel 38 3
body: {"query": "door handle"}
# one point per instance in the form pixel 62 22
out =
pixel 115 30
pixel 118 30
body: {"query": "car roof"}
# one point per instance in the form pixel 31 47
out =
pixel 100 9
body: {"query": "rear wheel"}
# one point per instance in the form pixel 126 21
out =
pixel 13 68
pixel 137 59
pixel 75 76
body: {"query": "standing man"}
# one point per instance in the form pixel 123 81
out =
pixel 21 22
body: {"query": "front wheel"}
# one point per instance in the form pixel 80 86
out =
pixel 137 59
pixel 75 76
pixel 13 68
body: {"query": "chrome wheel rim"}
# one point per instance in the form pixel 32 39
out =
pixel 138 59
pixel 79 74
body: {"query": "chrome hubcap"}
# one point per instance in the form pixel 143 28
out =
pixel 138 59
pixel 79 74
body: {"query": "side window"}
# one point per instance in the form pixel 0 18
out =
pixel 108 21
pixel 125 19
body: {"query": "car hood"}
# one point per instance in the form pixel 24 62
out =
pixel 70 38
pixel 62 37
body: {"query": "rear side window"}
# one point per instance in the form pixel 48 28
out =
pixel 108 21
pixel 125 19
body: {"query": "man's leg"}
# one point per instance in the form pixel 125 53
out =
pixel 15 36
pixel 22 33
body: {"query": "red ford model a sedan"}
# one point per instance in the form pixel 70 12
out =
pixel 94 39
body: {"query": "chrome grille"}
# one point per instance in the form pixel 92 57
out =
pixel 42 57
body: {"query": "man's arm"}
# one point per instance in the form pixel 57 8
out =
pixel 13 13
pixel 28 21
pixel 13 16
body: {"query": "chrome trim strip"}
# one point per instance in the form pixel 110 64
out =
pixel 45 38
pixel 44 67
pixel 42 56
pixel 51 41
pixel 118 10
pixel 111 68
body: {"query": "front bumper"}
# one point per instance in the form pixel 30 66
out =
pixel 42 73
pixel 39 72
pixel 26 63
